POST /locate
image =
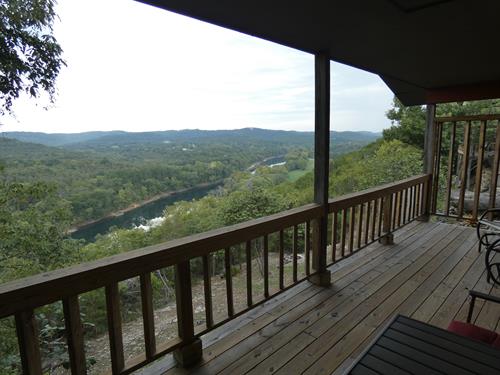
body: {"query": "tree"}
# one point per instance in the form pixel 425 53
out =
pixel 30 57
pixel 243 205
pixel 408 123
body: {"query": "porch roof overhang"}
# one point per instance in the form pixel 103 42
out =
pixel 426 51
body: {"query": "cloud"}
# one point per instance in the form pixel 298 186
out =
pixel 136 67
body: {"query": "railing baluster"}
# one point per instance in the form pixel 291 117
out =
pixel 413 201
pixel 404 205
pixel 294 251
pixel 352 221
pixel 409 209
pixel 344 232
pixel 266 266
pixel 417 200
pixel 74 333
pixel 387 238
pixel 451 154
pixel 360 226
pixel 148 315
pixel 207 289
pixel 248 254
pixel 408 204
pixel 29 348
pixel 308 247
pixel 229 282
pixel 190 351
pixel 115 328
pixel 374 218
pixel 334 235
pixel 494 172
pixel 367 223
pixel 282 263
pixel 380 216
pixel 394 206
pixel 479 169
pixel 399 207
pixel 465 164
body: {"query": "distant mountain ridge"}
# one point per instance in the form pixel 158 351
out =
pixel 117 137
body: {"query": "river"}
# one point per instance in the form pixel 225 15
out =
pixel 150 212
pixel 140 215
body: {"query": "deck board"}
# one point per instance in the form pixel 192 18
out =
pixel 426 274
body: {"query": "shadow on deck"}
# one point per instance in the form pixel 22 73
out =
pixel 426 274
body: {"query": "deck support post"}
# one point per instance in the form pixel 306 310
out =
pixel 388 237
pixel 191 350
pixel 321 276
pixel 429 154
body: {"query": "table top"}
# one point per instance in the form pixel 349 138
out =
pixel 408 346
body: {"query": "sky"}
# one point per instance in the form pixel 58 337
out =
pixel 134 67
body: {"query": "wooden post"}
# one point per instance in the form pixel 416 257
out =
pixel 321 276
pixel 29 349
pixel 387 238
pixel 191 351
pixel 115 328
pixel 74 334
pixel 429 154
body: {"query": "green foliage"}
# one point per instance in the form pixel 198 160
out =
pixel 408 123
pixel 250 204
pixel 30 57
pixel 33 222
pixel 379 163
pixel 297 159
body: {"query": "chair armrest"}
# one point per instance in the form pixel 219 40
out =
pixel 489 210
pixel 474 294
pixel 484 296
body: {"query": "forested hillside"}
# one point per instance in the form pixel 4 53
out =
pixel 85 140
pixel 101 172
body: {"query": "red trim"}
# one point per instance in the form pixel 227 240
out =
pixel 480 91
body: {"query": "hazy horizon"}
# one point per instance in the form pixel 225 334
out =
pixel 180 130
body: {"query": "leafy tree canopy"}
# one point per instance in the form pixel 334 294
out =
pixel 408 123
pixel 30 57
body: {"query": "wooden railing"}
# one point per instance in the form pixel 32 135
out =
pixel 357 220
pixel 465 166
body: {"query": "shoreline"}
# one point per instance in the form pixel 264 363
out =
pixel 136 205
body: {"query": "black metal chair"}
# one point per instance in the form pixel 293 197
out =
pixel 492 264
pixel 487 230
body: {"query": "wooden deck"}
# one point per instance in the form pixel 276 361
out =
pixel 426 274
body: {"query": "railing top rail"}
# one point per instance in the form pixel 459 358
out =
pixel 55 285
pixel 467 118
pixel 349 200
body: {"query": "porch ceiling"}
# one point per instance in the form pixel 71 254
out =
pixel 427 51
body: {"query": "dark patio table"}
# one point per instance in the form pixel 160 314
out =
pixel 408 346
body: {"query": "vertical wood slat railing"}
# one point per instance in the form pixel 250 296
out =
pixel 467 149
pixel 358 219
